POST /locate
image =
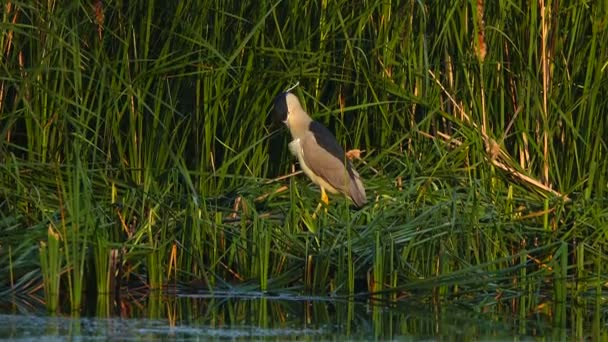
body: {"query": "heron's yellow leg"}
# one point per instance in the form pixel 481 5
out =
pixel 324 197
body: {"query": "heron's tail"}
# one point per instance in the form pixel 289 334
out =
pixel 357 190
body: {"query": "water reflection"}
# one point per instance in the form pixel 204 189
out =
pixel 284 317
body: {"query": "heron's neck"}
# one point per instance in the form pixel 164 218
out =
pixel 298 124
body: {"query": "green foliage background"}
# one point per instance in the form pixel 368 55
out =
pixel 138 135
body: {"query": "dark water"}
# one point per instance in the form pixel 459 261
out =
pixel 280 318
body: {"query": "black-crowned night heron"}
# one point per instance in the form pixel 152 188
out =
pixel 320 155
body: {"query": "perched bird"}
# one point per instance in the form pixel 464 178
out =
pixel 320 155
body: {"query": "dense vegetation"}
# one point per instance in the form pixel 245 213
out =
pixel 138 148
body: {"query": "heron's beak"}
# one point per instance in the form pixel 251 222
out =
pixel 286 121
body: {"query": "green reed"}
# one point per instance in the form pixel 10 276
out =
pixel 50 265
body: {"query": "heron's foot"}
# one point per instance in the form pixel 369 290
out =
pixel 314 215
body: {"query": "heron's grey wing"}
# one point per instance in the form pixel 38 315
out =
pixel 326 158
pixel 326 140
pixel 324 164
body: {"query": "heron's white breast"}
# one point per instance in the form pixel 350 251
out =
pixel 296 149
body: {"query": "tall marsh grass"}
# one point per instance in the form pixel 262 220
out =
pixel 141 133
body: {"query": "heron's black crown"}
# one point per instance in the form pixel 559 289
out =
pixel 280 107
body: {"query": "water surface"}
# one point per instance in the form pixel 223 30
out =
pixel 277 317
